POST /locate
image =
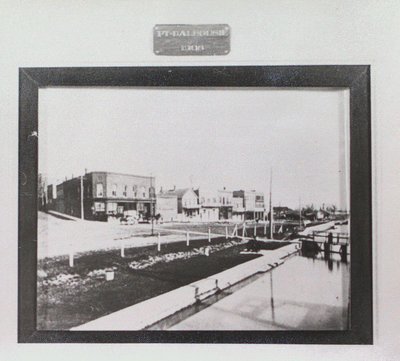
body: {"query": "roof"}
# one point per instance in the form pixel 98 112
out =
pixel 282 209
pixel 123 174
pixel 178 192
pixel 166 195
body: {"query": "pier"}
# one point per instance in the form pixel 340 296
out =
pixel 329 242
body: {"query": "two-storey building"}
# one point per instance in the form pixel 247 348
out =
pixel 225 200
pixel 106 195
pixel 209 201
pixel 253 202
pixel 238 209
pixel 178 205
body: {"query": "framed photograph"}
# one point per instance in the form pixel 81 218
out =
pixel 217 204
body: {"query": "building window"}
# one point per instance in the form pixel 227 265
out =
pixel 112 208
pixel 99 190
pixel 143 192
pixel 125 191
pixel 99 206
pixel 134 189
pixel 114 190
pixel 152 192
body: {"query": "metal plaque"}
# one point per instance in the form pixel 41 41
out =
pixel 181 40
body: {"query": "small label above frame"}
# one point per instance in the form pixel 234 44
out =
pixel 181 40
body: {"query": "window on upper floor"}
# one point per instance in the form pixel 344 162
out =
pixel 152 192
pixel 114 190
pixel 99 190
pixel 125 193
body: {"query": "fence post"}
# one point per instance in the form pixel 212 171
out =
pixel 255 229
pixel 158 242
pixel 122 249
pixel 71 258
pixel 187 238
pixel 209 235
pixel 226 232
pixel 265 229
pixel 235 231
pixel 244 229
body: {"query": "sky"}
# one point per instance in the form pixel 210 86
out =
pixel 211 138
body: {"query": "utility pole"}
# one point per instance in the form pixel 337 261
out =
pixel 151 205
pixel 271 211
pixel 82 215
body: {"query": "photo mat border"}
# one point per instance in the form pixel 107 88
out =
pixel 356 78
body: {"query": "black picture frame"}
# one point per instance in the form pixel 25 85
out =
pixel 356 78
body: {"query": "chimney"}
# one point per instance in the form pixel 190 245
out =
pixel 174 187
pixel 85 170
pixel 161 190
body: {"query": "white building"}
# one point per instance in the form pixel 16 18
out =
pixel 187 205
pixel 253 202
pixel 209 201
pixel 238 209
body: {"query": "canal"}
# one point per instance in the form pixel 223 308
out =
pixel 307 292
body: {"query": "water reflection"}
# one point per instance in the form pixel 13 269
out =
pixel 272 299
pixel 338 286
pixel 307 292
pixel 329 257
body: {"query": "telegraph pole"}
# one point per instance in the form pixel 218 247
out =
pixel 82 215
pixel 151 205
pixel 271 211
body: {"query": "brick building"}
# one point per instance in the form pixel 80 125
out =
pixel 105 195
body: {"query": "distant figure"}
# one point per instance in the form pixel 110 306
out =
pixel 252 245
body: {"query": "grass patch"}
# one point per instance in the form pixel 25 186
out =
pixel 81 298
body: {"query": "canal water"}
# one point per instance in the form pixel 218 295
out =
pixel 307 292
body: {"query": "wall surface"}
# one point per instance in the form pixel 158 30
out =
pixel 167 207
pixel 101 33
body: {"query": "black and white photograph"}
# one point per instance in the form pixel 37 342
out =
pixel 193 209
pixel 200 180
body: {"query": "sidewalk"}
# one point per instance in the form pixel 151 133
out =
pixel 146 313
pixel 57 237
